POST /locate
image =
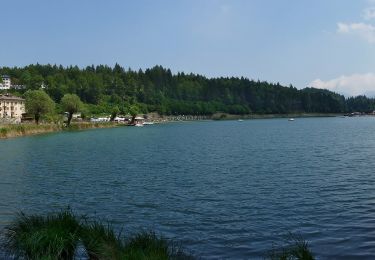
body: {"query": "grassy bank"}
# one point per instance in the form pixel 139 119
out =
pixel 17 130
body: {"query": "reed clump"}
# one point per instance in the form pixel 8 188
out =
pixel 57 236
pixel 293 248
pixel 53 236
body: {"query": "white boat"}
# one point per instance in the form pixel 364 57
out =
pixel 291 119
pixel 148 123
pixel 138 124
pixel 240 120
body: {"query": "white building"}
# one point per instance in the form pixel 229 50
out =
pixel 11 106
pixel 6 82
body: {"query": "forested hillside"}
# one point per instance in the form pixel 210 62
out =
pixel 157 89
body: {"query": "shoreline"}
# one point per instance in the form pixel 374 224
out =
pixel 8 131
pixel 22 130
pixel 224 116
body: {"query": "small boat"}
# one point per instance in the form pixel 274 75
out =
pixel 240 120
pixel 291 119
pixel 148 123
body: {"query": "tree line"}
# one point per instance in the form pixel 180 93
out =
pixel 38 104
pixel 104 89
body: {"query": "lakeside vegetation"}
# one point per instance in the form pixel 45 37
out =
pixel 60 235
pixel 17 130
pixel 104 89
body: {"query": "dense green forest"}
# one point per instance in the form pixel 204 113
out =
pixel 157 89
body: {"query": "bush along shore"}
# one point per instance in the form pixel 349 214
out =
pixel 18 130
pixel 63 234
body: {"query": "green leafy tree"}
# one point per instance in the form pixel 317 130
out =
pixel 71 103
pixel 114 113
pixel 133 111
pixel 38 103
pixel 157 89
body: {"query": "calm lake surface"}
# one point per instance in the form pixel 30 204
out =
pixel 224 189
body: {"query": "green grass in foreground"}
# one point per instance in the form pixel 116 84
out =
pixel 57 236
pixel 295 247
pixel 43 237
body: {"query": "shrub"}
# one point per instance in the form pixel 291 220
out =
pixel 296 248
pixel 3 132
pixel 100 241
pixel 56 236
pixel 53 236
pixel 147 245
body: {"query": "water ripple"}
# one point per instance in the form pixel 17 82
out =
pixel 225 190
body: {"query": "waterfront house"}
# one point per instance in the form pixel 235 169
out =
pixel 11 107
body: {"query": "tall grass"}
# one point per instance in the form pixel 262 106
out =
pixel 100 241
pixel 56 236
pixel 88 125
pixel 147 245
pixel 15 130
pixel 294 248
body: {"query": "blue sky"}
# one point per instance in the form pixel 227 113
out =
pixel 323 43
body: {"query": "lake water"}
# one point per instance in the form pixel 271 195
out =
pixel 224 189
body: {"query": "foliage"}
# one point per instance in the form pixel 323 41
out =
pixel 56 236
pixel 14 130
pixel 157 89
pixel 147 245
pixel 38 103
pixel 53 236
pixel 53 118
pixel 71 103
pixel 100 241
pixel 134 110
pixel 296 248
pixel 115 111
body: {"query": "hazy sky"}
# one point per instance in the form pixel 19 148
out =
pixel 321 43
